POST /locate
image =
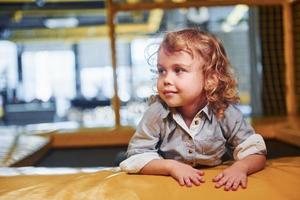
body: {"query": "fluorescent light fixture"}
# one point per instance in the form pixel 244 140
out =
pixel 198 15
pixel 234 17
pixel 53 23
pixel 237 14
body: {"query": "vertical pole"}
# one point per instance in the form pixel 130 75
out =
pixel 110 20
pixel 291 101
pixel 77 70
pixel 255 63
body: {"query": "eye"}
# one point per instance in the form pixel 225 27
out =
pixel 179 70
pixel 160 70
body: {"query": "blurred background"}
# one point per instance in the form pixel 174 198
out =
pixel 75 64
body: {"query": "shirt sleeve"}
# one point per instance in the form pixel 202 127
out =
pixel 252 145
pixel 135 163
pixel 240 135
pixel 142 147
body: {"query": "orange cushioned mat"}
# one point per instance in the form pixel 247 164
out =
pixel 280 180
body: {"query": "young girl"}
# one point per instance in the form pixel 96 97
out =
pixel 194 120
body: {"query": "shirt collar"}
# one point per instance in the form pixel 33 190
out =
pixel 206 110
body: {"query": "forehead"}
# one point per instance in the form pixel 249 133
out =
pixel 179 53
pixel 184 56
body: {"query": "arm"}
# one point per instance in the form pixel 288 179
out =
pixel 249 151
pixel 143 156
pixel 183 173
pixel 252 163
pixel 236 175
pixel 142 147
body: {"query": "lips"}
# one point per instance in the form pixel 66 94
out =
pixel 169 92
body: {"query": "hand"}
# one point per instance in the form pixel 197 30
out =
pixel 232 177
pixel 186 175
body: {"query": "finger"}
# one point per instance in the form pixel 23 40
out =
pixel 187 181
pixel 181 181
pixel 244 183
pixel 200 175
pixel 218 177
pixel 235 185
pixel 201 179
pixel 195 180
pixel 200 172
pixel 228 184
pixel 221 182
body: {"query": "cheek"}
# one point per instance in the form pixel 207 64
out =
pixel 158 84
pixel 183 83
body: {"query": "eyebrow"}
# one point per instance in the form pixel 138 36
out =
pixel 175 65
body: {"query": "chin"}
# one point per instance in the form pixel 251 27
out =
pixel 172 104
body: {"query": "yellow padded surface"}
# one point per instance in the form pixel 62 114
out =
pixel 280 180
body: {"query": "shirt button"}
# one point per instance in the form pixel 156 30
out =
pixel 190 151
pixel 196 122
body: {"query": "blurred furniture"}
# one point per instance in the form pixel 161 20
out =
pixel 29 113
pixel 20 150
pixel 82 103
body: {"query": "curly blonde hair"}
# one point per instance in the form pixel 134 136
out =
pixel 220 85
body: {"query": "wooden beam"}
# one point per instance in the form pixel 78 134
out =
pixel 78 33
pixel 291 102
pixel 46 1
pixel 90 32
pixel 110 21
pixel 92 137
pixel 61 12
pixel 187 4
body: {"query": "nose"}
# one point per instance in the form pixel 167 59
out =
pixel 168 79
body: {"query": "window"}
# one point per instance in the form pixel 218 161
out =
pixel 48 75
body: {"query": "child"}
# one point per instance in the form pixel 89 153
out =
pixel 194 118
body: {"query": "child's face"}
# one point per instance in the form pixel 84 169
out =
pixel 180 82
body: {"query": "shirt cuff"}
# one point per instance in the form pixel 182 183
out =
pixel 135 163
pixel 252 145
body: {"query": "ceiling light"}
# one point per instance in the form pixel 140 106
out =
pixel 61 22
pixel 235 17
